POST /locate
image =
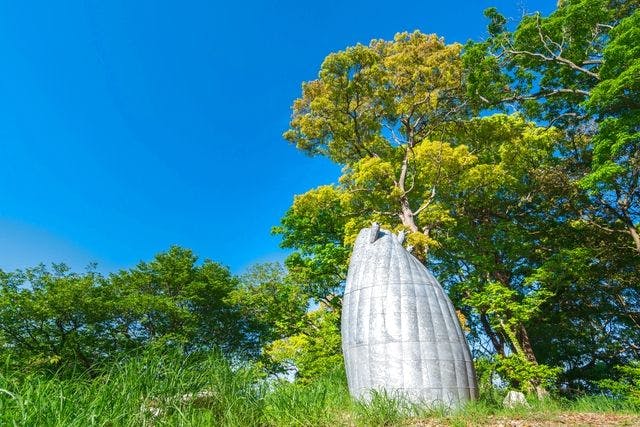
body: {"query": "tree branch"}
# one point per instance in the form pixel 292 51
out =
pixel 428 202
pixel 555 58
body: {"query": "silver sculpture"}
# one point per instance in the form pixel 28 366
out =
pixel 400 332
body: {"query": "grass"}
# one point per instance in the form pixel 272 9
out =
pixel 546 412
pixel 148 390
pixel 204 391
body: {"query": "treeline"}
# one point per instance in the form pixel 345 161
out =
pixel 55 320
pixel 513 166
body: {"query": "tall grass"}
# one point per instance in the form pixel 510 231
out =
pixel 203 390
pixel 323 402
pixel 147 390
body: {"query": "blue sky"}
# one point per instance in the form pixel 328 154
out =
pixel 128 126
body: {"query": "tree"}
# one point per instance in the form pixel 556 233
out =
pixel 577 70
pixel 315 350
pixel 370 110
pixel 315 227
pixel 273 305
pixel 499 229
pixel 614 179
pixel 56 318
pixel 376 104
pixel 394 114
pixel 173 301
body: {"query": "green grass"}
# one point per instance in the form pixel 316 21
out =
pixel 148 390
pixel 163 391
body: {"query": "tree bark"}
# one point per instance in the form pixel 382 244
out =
pixel 525 343
pixel 497 343
pixel 520 341
pixel 406 213
pixel 634 235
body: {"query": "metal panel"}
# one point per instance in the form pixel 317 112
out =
pixel 400 333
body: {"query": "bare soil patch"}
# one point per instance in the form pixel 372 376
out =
pixel 598 419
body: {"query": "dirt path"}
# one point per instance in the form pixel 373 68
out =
pixel 545 420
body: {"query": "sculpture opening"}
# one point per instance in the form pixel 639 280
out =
pixel 400 332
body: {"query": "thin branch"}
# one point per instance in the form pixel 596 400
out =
pixel 427 203
pixel 607 26
pixel 394 135
pixel 555 58
pixel 545 93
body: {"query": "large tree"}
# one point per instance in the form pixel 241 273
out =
pixel 577 69
pixel 371 108
pixel 395 115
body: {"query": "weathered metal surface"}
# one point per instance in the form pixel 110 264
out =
pixel 400 332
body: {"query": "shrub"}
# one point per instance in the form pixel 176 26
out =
pixel 627 385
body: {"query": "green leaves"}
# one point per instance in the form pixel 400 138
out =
pixel 314 351
pixel 506 307
pixel 576 69
pixel 315 225
pixel 614 103
pixel 523 216
pixel 520 373
pixel 463 197
pixel 627 383
pixel 271 300
pixel 336 115
pixel 365 91
pixel 57 319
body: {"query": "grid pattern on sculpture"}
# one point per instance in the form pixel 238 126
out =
pixel 400 331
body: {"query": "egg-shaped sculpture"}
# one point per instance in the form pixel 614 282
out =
pixel 400 332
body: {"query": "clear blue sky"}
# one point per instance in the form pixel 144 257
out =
pixel 128 126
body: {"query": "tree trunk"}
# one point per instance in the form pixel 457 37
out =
pixel 497 343
pixel 634 235
pixel 525 343
pixel 527 349
pixel 631 228
pixel 519 338
pixel 406 215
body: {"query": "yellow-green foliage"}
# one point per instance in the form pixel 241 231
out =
pixel 315 351
pixel 524 375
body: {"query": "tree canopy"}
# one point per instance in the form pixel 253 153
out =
pixel 55 318
pixel 511 164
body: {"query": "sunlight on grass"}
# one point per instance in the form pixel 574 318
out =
pixel 203 389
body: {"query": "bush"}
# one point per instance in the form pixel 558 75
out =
pixel 523 375
pixel 627 385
